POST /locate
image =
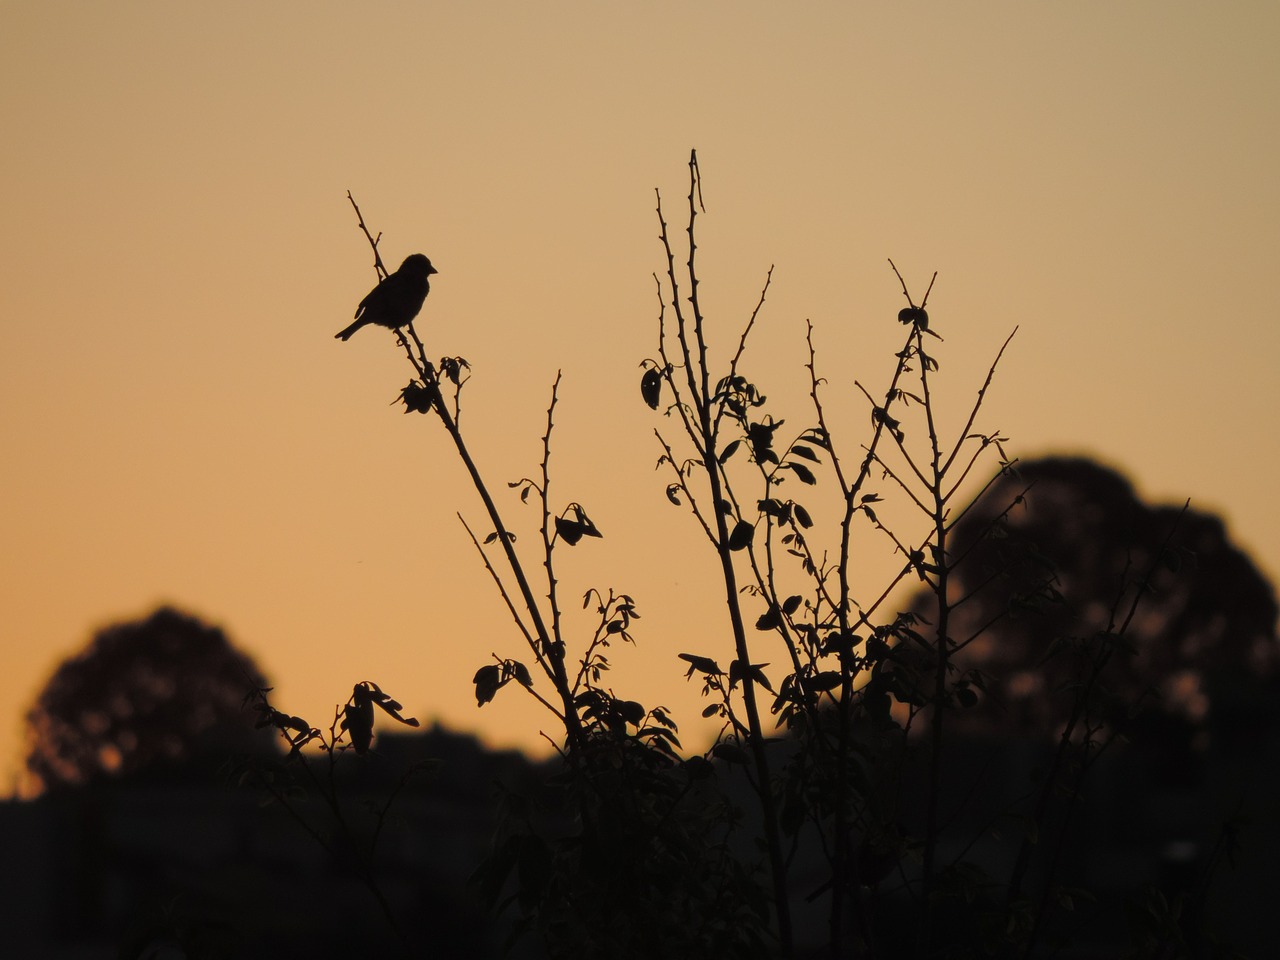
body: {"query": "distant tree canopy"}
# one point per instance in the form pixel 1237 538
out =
pixel 166 688
pixel 1053 549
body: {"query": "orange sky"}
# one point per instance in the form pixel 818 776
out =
pixel 179 424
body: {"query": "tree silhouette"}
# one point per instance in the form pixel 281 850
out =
pixel 1053 551
pixel 166 688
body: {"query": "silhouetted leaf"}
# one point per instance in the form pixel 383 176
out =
pixel 826 680
pixel 803 472
pixel 775 508
pixel 741 535
pixel 651 387
pixel 453 367
pixel 417 397
pixel 760 436
pixel 702 665
pixel 965 696
pixel 729 451
pixel 817 437
pixel 791 604
pixel 368 690
pixel 574 530
pixel 739 671
pixel 916 315
pixel 771 619
pixel 664 740
pixel 357 720
pixel 730 753
pixel 570 531
pixel 660 715
pixel 804 452
pixel 487 680
pixel 673 493
pixel 802 516
pixel 881 415
pixel 840 643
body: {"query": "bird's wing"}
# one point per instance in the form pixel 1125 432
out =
pixel 369 298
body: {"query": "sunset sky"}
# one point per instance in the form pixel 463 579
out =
pixel 177 251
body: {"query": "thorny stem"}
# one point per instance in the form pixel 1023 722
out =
pixel 553 651
pixel 700 391
pixel 942 652
pixel 746 332
pixel 506 598
pixel 851 493
pixel 548 532
pixel 977 405
pixel 668 368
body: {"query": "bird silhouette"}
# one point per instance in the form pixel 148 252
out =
pixel 396 300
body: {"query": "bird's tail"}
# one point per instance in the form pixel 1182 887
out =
pixel 346 334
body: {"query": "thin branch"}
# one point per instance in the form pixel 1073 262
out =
pixel 742 341
pixel 684 488
pixel 506 598
pixel 549 532
pixel 373 241
pixel 973 413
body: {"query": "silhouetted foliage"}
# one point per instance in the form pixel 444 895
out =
pixel 840 808
pixel 1047 548
pixel 167 688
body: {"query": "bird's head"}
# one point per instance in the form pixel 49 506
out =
pixel 416 263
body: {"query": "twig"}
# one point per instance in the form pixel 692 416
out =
pixel 373 241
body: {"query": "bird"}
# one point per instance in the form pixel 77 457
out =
pixel 396 300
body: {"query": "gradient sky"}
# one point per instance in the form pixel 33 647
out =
pixel 177 251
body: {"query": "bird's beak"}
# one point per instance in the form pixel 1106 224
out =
pixel 431 270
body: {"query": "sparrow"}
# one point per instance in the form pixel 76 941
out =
pixel 396 300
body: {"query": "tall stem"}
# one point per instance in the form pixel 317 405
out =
pixel 553 651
